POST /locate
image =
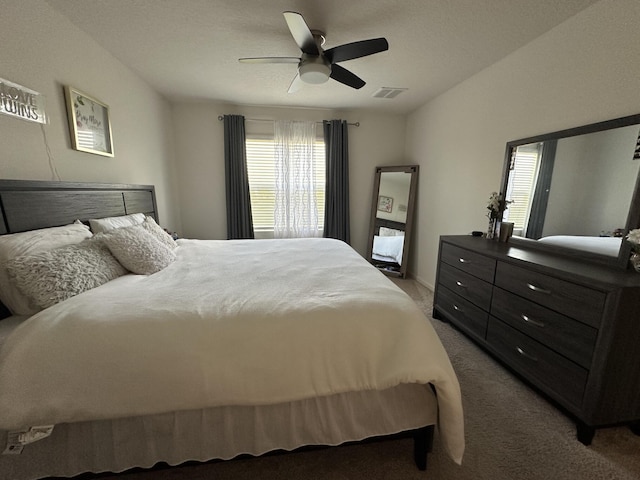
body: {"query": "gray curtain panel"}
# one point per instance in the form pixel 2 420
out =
pixel 336 212
pixel 239 221
pixel 541 190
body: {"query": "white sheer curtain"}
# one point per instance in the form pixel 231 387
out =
pixel 296 209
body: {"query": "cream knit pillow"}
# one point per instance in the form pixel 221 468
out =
pixel 156 230
pixel 137 250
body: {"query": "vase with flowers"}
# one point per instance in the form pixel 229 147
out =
pixel 633 237
pixel 496 206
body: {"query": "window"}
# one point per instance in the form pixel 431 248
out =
pixel 262 182
pixel 522 180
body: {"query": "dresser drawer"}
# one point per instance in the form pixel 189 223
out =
pixel 575 301
pixel 566 336
pixel 543 367
pixel 471 288
pixel 463 313
pixel 477 265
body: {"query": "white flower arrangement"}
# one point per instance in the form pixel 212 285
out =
pixel 633 237
pixel 497 204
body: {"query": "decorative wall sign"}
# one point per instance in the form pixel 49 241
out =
pixel 21 102
pixel 385 204
pixel 89 123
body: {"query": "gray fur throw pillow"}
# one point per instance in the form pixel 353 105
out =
pixel 137 250
pixel 52 276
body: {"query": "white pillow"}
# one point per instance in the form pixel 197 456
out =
pixel 390 232
pixel 52 276
pixel 26 243
pixel 99 225
pixel 156 230
pixel 138 250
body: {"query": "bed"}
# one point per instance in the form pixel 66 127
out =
pixel 387 249
pixel 609 246
pixel 194 361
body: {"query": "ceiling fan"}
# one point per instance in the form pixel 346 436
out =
pixel 316 65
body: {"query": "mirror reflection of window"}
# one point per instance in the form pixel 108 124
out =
pixel 525 162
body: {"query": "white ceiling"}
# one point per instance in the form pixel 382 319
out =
pixel 189 49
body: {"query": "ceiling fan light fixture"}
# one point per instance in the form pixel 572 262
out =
pixel 317 65
pixel 314 73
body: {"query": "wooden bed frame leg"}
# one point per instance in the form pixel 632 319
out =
pixel 422 445
pixel 635 427
pixel 585 433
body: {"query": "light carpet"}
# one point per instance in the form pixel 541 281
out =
pixel 511 433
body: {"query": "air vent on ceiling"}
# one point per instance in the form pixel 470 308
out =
pixel 388 92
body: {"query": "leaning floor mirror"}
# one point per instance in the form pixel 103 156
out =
pixel 394 192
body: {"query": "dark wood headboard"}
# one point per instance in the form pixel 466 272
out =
pixel 382 222
pixel 29 204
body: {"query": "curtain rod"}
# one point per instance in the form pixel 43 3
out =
pixel 221 117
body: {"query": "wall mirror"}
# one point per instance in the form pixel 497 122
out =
pixel 576 191
pixel 394 191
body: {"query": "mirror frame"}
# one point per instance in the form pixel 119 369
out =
pixel 633 215
pixel 413 170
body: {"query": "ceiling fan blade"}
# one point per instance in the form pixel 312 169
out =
pixel 270 60
pixel 343 75
pixel 349 51
pixel 301 33
pixel 296 84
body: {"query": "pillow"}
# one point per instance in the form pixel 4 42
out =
pixel 51 276
pixel 156 230
pixel 390 232
pixel 26 243
pixel 99 225
pixel 138 250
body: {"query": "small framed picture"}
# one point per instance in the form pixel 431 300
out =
pixel 89 123
pixel 385 204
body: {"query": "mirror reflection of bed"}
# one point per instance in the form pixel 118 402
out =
pixel 575 190
pixel 392 218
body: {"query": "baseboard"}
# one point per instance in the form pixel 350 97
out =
pixel 421 281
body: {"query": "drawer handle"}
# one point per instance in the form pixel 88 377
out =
pixel 538 289
pixel 525 354
pixel 527 319
pixel 463 260
pixel 458 309
pixel 460 284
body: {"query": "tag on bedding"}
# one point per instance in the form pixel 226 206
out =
pixel 14 447
pixel 35 433
pixel 16 440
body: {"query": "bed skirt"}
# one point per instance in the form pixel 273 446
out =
pixel 221 433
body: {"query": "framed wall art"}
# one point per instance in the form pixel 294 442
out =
pixel 385 204
pixel 89 123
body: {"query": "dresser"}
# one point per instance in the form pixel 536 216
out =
pixel 569 329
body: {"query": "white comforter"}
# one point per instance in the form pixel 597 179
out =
pixel 229 323
pixel 609 246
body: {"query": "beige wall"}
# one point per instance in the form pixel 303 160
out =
pixel 41 50
pixel 379 140
pixel 583 71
